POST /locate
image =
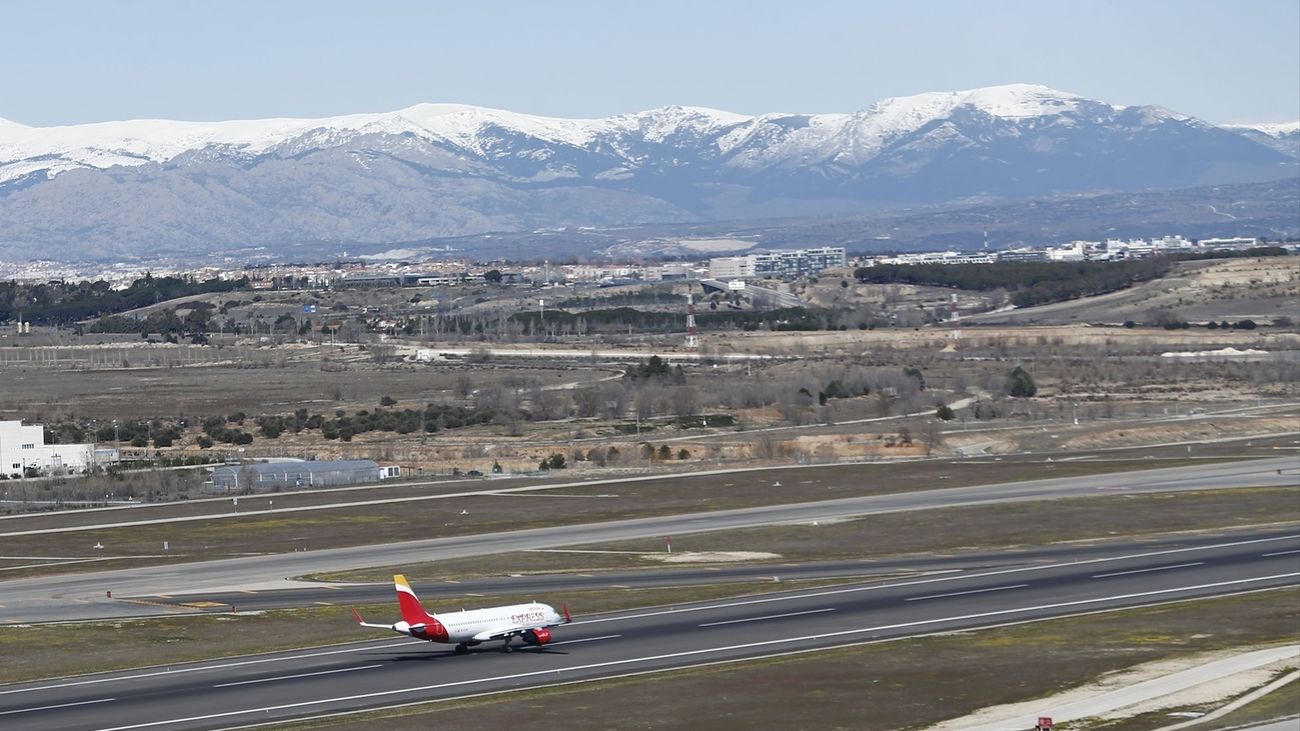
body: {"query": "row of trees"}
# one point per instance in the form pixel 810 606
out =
pixel 1029 282
pixel 63 303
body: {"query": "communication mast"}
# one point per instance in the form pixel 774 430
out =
pixel 955 333
pixel 692 334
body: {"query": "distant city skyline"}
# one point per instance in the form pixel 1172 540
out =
pixel 79 61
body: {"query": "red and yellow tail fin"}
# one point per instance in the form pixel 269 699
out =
pixel 412 611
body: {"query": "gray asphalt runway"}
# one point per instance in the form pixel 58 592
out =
pixel 394 670
pixel 561 584
pixel 83 596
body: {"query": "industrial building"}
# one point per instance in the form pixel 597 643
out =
pixel 23 450
pixel 295 474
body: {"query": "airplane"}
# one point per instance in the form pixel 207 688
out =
pixel 530 622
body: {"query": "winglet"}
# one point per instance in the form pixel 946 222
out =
pixel 357 615
pixel 567 617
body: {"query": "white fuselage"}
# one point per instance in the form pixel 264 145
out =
pixel 466 625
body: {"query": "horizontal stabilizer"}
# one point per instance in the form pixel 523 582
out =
pixel 357 615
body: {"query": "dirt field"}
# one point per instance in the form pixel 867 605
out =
pixel 285 382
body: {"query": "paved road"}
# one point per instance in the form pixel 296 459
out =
pixel 1290 724
pixel 83 596
pixel 396 670
pixel 1145 691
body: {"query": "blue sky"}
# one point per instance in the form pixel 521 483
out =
pixel 65 62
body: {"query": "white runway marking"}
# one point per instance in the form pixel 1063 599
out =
pixel 586 639
pixel 770 616
pixel 61 705
pixel 299 675
pixel 1143 571
pixel 1280 553
pixel 961 593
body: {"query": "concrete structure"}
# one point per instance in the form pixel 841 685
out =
pixel 23 450
pixel 263 476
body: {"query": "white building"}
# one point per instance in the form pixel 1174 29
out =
pixel 1240 242
pixel 23 448
pixel 1073 251
pixel 731 267
pixel 939 257
pixel 784 263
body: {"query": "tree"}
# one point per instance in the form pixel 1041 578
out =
pixel 1021 383
pixel 944 412
pixel 665 452
pixel 492 276
pixel 197 320
pixel 683 454
pixel 914 372
pixel 555 461
pixel 932 435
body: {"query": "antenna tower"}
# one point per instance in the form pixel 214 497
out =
pixel 692 334
pixel 955 333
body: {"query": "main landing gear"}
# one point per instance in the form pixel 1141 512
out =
pixel 462 648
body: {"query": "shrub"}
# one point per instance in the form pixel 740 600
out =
pixel 1021 383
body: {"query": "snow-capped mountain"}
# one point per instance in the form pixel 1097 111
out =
pixel 1281 136
pixel 113 189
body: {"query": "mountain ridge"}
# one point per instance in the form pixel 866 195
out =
pixel 437 170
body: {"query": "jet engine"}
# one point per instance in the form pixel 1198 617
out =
pixel 539 636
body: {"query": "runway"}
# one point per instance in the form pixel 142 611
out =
pixel 83 596
pixel 394 670
pixel 562 584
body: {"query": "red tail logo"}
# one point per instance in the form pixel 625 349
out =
pixel 414 615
